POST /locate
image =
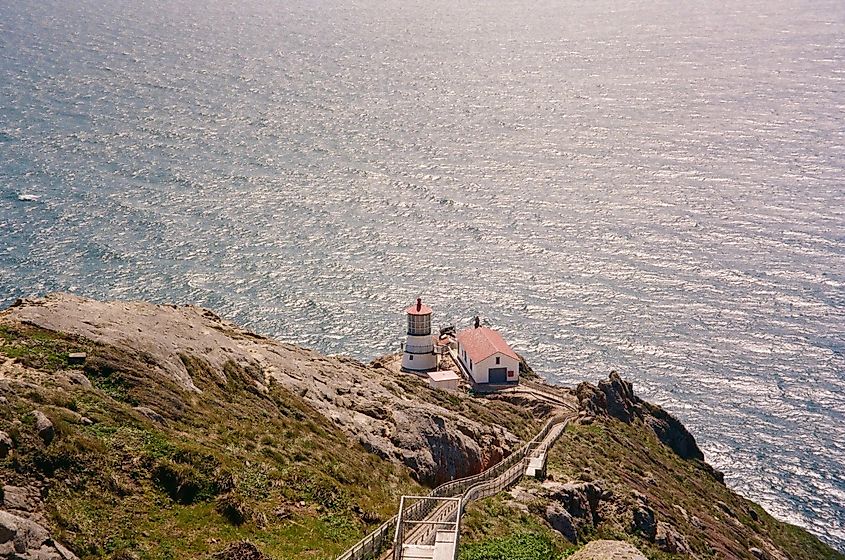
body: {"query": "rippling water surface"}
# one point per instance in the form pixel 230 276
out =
pixel 655 186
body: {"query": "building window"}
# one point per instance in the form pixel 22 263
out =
pixel 497 360
pixel 411 357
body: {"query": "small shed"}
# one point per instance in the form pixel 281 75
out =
pixel 445 380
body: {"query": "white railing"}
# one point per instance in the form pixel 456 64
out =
pixel 444 515
pixel 419 348
pixel 469 489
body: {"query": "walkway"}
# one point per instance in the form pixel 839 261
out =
pixel 435 536
pixel 427 527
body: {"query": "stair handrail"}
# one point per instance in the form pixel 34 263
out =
pixel 372 543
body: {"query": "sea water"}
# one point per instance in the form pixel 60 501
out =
pixel 656 187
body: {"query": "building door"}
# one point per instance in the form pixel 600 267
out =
pixel 498 374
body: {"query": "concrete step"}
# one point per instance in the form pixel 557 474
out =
pixel 444 547
pixel 417 552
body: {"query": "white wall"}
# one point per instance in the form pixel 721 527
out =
pixel 419 362
pixel 479 371
pixel 447 385
pixel 481 368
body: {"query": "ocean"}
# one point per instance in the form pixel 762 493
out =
pixel 652 187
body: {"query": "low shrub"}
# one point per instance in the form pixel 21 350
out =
pixel 233 508
pixel 524 546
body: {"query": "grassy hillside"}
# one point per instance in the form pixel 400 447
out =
pixel 626 460
pixel 227 464
pixel 237 461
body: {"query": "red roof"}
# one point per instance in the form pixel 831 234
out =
pixel 418 308
pixel 481 343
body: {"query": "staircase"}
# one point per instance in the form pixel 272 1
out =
pixel 428 527
pixel 437 535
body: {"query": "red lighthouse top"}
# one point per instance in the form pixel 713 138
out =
pixel 418 308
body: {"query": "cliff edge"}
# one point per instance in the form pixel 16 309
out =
pixel 132 430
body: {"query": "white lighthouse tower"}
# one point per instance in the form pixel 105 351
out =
pixel 419 348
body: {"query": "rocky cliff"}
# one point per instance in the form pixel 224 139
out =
pixel 240 435
pixel 181 435
pixel 380 410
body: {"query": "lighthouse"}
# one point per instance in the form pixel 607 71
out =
pixel 419 348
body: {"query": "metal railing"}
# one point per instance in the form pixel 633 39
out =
pixel 445 515
pixel 374 543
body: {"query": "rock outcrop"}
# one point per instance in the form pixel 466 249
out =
pixel 44 427
pixel 668 539
pixel 615 397
pixel 574 508
pixel 180 342
pixel 23 539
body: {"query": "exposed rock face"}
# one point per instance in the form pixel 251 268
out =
pixel 668 539
pixel 615 397
pixel 44 427
pixel 608 550
pixel 562 521
pixel 22 539
pixel 671 432
pixel 574 507
pixel 645 522
pixel 150 414
pixel 24 501
pixel 436 443
pixel 6 445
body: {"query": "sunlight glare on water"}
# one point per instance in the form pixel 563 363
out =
pixel 653 187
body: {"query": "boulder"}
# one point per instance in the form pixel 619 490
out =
pixel 44 427
pixel 6 445
pixel 574 506
pixel 561 521
pixel 149 414
pixel 23 539
pixel 644 522
pixel 7 532
pixel 608 550
pixel 78 378
pixel 668 539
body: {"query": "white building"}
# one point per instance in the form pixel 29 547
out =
pixel 418 354
pixel 487 357
pixel 446 380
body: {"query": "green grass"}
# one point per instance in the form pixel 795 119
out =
pixel 38 348
pixel 519 546
pixel 229 464
pixel 625 458
pixel 492 529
